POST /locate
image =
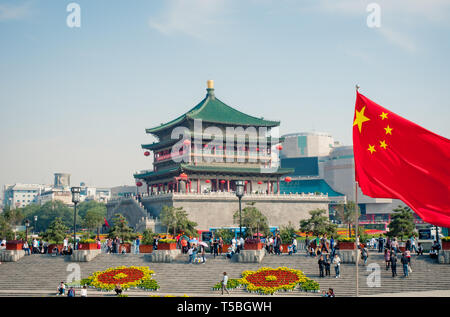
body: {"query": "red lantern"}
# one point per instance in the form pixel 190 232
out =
pixel 279 147
pixel 146 153
pixel 246 182
pixel 138 184
pixel 222 181
pixel 183 176
pixel 259 182
pixel 288 179
pixel 187 142
pixel 207 181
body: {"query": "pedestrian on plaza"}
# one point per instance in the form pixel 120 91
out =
pixel 61 289
pixel 331 293
pixel 225 282
pixel 393 261
pixel 71 292
pixel 83 292
pixel 241 243
pixel 137 244
pixel 307 245
pixel 203 254
pixel 408 245
pixel 321 263
pixel 271 245
pixel 211 245
pixel 405 263
pixel 380 244
pixel 279 242
pixel 26 248
pixel 118 289
pixel 337 265
pixel 420 249
pixel 413 243
pixel 216 247
pixel 327 265
pixel 408 256
pixel 364 254
pixel 220 245
pixel 387 258
pixel 294 244
pixel 190 254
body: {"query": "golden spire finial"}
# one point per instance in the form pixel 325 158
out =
pixel 210 84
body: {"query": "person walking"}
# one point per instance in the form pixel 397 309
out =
pixel 364 254
pixel 337 265
pixel 327 265
pixel 216 247
pixel 405 263
pixel 307 245
pixel 380 244
pixel 26 247
pixel 225 282
pixel 204 255
pixel 220 245
pixel 118 289
pixel 393 261
pixel 413 244
pixel 321 263
pixel 294 245
pixel 61 289
pixel 190 254
pixel 387 258
pixel 137 244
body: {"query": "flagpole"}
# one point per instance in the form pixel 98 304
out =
pixel 356 237
pixel 356 224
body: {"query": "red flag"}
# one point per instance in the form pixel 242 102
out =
pixel 106 223
pixel 396 158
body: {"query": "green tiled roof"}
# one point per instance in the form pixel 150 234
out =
pixel 308 186
pixel 212 169
pixel 212 110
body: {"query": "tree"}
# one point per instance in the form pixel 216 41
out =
pixel 92 205
pixel 168 218
pixel 253 220
pixel 5 229
pixel 226 234
pixel 47 213
pixel 346 214
pixel 287 232
pixel 402 223
pixel 318 224
pixel 176 219
pixel 121 229
pixel 92 219
pixel 13 216
pixel 147 236
pixel 56 232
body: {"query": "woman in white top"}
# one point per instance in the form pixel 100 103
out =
pixel 84 291
pixel 337 265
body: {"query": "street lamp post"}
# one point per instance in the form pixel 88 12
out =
pixel 35 220
pixel 27 224
pixel 75 199
pixel 240 194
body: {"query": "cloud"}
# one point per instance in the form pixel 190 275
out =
pixel 399 39
pixel 14 12
pixel 194 18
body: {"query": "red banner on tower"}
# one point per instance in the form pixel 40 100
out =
pixel 396 158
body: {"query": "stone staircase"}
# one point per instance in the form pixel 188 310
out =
pixel 41 274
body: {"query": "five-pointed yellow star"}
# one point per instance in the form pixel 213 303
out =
pixel 360 118
pixel 383 144
pixel 371 149
pixel 383 115
pixel 388 130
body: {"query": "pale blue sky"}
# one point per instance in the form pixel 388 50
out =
pixel 77 100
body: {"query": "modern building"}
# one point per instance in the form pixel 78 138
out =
pixel 215 146
pixel 324 166
pixel 21 195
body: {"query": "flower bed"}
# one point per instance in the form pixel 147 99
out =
pixel 14 245
pixel 167 246
pixel 127 277
pixel 87 246
pixel 145 248
pixel 267 281
pixel 253 246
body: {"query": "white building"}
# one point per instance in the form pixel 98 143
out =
pixel 21 195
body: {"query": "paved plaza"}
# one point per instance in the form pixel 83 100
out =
pixel 39 275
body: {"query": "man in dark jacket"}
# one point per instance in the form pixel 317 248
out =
pixel 405 262
pixel 393 264
pixel 321 263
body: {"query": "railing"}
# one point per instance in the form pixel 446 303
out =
pixel 307 196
